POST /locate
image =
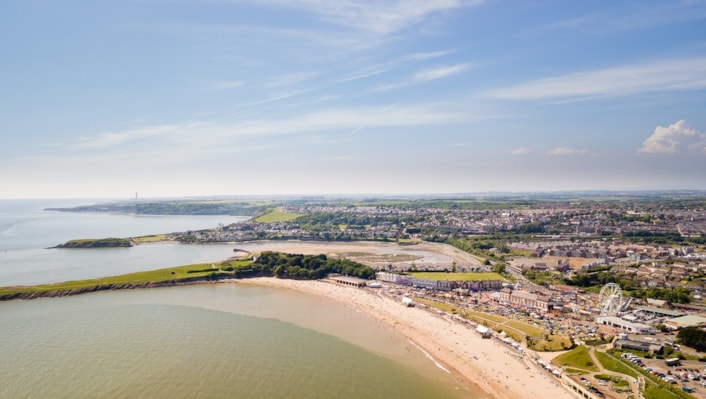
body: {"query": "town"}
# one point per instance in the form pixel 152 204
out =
pixel 624 279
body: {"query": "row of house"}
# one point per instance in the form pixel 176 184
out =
pixel 439 285
pixel 525 300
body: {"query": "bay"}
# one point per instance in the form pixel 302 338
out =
pixel 211 341
pixel 205 341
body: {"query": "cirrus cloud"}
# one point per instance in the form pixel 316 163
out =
pixel 666 75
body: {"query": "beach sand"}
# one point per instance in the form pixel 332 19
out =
pixel 487 364
pixel 373 253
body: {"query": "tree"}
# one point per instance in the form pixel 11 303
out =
pixel 279 271
pixel 693 337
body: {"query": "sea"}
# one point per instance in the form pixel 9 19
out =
pixel 200 341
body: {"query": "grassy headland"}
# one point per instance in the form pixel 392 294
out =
pixel 150 238
pixel 153 278
pixel 268 263
pixel 97 243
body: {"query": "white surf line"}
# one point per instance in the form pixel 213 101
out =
pixel 430 357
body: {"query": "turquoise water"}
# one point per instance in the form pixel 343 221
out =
pixel 207 342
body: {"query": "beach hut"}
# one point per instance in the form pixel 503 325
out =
pixel 483 331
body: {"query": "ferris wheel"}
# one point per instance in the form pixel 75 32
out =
pixel 610 299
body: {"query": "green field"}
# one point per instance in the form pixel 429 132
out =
pixel 457 276
pixel 170 274
pixel 613 364
pixel 152 238
pixel 553 343
pixel 655 392
pixel 276 215
pixel 444 307
pixel 577 358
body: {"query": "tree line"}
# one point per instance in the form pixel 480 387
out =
pixel 693 337
pixel 297 266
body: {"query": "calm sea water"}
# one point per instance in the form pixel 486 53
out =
pixel 26 231
pixel 209 341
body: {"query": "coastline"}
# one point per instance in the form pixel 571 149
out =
pixel 479 364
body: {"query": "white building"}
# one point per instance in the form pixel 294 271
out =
pixel 627 326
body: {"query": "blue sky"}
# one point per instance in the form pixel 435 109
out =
pixel 220 97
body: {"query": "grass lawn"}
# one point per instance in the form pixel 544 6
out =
pixel 577 358
pixel 655 392
pixel 276 215
pixel 613 364
pixel 553 343
pixel 570 370
pixel 152 238
pixel 488 316
pixel 532 331
pixel 514 334
pixel 444 307
pixel 458 276
pixel 153 276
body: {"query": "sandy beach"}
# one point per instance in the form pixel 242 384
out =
pixel 478 363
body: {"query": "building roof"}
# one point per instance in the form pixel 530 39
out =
pixel 666 312
pixel 688 321
pixel 350 280
pixel 622 322
pixel 525 295
pixel 646 346
pixel 656 302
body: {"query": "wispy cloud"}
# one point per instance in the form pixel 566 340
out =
pixel 202 135
pixel 276 97
pixel 380 17
pixel 425 76
pixel 630 17
pixel 383 67
pixel 112 139
pixel 567 23
pixel 678 138
pixel 522 151
pixel 565 151
pixel 678 74
pixel 355 118
pixel 440 72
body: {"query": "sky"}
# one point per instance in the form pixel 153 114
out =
pixel 262 97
